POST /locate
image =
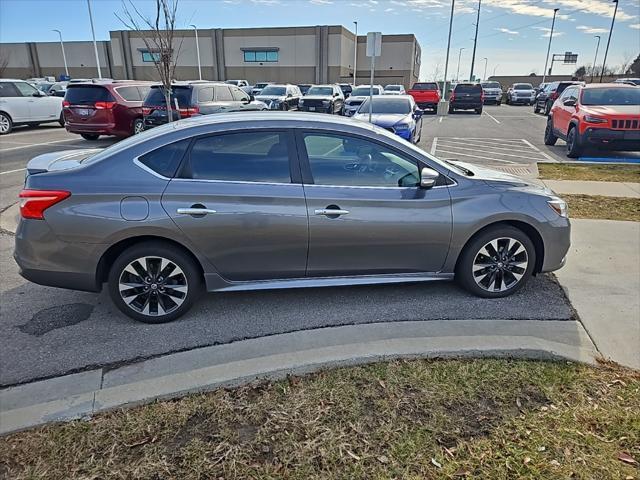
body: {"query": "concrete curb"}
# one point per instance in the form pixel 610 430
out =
pixel 84 394
pixel 9 218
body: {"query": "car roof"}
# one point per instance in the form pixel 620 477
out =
pixel 592 86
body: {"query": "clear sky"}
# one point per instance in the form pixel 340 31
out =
pixel 513 34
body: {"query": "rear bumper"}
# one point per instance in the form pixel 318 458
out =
pixel 466 105
pixel 315 109
pixel 428 105
pixel 101 128
pixel 628 139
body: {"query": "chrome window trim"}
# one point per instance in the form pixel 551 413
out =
pixel 379 188
pixel 139 164
pixel 208 180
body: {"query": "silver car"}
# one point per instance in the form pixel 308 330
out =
pixel 492 92
pixel 522 93
pixel 245 201
pixel 359 95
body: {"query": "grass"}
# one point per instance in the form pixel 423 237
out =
pixel 602 173
pixel 601 207
pixel 489 419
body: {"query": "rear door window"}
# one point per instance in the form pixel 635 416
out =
pixel 130 94
pixel 205 95
pixel 165 160
pixel 8 89
pixel 87 95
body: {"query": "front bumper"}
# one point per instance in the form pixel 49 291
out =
pixel 522 100
pixel 556 237
pixel 628 139
pixel 315 109
pixel 492 98
pixel 350 110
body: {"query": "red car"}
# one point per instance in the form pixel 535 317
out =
pixel 426 95
pixel 603 114
pixel 110 107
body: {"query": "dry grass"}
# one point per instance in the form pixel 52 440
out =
pixel 600 207
pixel 601 173
pixel 488 419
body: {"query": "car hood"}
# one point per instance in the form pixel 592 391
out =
pixel 382 119
pixel 612 109
pixel 361 98
pixel 56 161
pixel 270 98
pixel 318 97
pixel 496 178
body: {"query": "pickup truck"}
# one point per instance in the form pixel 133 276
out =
pixel 426 95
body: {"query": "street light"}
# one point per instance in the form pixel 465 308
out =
pixel 64 56
pixel 486 60
pixel 442 106
pixel 595 58
pixel 458 72
pixel 93 34
pixel 355 55
pixel 546 62
pixel 494 70
pixel 195 29
pixel 606 51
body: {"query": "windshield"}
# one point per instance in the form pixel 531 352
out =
pixel 392 88
pixel 611 96
pixel 261 85
pixel 424 86
pixel 323 91
pixel 387 105
pixel 363 91
pixel 523 86
pixel 43 87
pixel 490 85
pixel 233 82
pixel 278 91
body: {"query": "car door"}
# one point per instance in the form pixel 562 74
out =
pixel 562 113
pixel 224 99
pixel 239 199
pixel 367 213
pixel 241 101
pixel 13 102
pixel 338 99
pixel 41 106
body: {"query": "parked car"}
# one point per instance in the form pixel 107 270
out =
pixel 22 103
pixel 359 95
pixel 426 95
pixel 107 108
pixel 466 96
pixel 394 90
pixel 195 98
pixel 58 89
pixel 521 93
pixel 238 83
pixel 304 88
pixel 544 99
pixel 323 99
pixel 492 92
pixel 257 88
pixel 605 115
pixel 260 200
pixel 397 113
pixel 346 89
pixel 280 97
pixel 629 81
pixel 540 87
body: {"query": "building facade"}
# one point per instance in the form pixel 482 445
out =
pixel 316 54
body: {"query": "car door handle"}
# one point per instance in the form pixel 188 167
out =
pixel 331 211
pixel 195 211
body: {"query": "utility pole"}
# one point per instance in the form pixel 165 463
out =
pixel 441 108
pixel 64 56
pixel 606 51
pixel 593 68
pixel 458 72
pixel 486 60
pixel 93 34
pixel 546 62
pixel 195 29
pixel 494 70
pixel 355 56
pixel 475 42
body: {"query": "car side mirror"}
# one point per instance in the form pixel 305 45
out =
pixel 569 103
pixel 289 95
pixel 428 177
pixel 252 98
pixel 38 93
pixel 417 113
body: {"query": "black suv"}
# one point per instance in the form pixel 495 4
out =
pixel 195 98
pixel 346 88
pixel 323 99
pixel 467 96
pixel 549 94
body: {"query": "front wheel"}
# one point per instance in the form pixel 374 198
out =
pixel 536 108
pixel 479 111
pixel 549 137
pixel 154 282
pixel 574 148
pixel 547 108
pixel 6 125
pixel 496 263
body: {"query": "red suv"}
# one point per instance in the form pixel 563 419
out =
pixel 603 114
pixel 105 108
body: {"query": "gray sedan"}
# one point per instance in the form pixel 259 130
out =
pixel 245 201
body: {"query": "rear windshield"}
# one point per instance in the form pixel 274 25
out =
pixel 81 95
pixel 261 85
pixel 392 88
pixel 523 86
pixel 425 86
pixel 156 96
pixel 468 88
pixel 611 96
pixel 364 91
pixel 387 105
pixel 491 85
pixel 562 86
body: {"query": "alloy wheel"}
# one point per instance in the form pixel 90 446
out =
pixel 500 264
pixel 5 125
pixel 138 127
pixel 153 286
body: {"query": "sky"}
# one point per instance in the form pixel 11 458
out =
pixel 513 34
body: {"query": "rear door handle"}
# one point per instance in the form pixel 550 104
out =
pixel 331 211
pixel 195 211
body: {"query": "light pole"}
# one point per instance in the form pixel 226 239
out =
pixel 355 55
pixel 475 42
pixel 195 29
pixel 64 56
pixel 494 70
pixel 446 64
pixel 593 69
pixel 458 72
pixel 546 62
pixel 486 60
pixel 606 51
pixel 93 34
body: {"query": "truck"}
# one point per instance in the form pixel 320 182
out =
pixel 426 95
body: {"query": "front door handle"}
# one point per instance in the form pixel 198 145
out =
pixel 331 212
pixel 195 211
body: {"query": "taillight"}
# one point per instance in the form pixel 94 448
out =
pixel 188 112
pixel 66 104
pixel 35 202
pixel 104 105
pixel 452 97
pixel 146 110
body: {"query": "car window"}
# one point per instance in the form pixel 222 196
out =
pixel 88 95
pixel 130 94
pixel 387 105
pixel 239 95
pixel 223 94
pixel 425 86
pixel 8 89
pixel 243 157
pixel 468 88
pixel 156 96
pixel 205 94
pixel 350 161
pixel 165 160
pixel 144 91
pixel 25 89
pixel 611 96
pixel 523 86
pixel 276 91
pixel 570 94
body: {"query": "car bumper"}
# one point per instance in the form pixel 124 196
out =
pixel 406 134
pixel 102 129
pixel 427 105
pixel 466 106
pixel 556 236
pixel 619 138
pixel 350 111
pixel 522 100
pixel 493 98
pixel 315 109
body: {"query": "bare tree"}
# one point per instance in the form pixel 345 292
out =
pixel 4 62
pixel 627 60
pixel 437 72
pixel 158 36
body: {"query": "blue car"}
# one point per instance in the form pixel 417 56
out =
pixel 397 113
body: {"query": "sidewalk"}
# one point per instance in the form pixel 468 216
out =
pixel 581 187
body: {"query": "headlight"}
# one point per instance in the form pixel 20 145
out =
pixel 559 206
pixel 592 119
pixel 326 102
pixel 401 126
pixel 301 102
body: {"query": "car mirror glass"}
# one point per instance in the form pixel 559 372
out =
pixel 428 177
pixel 569 103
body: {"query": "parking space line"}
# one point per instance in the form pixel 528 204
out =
pixel 440 119
pixel 38 145
pixel 509 149
pixel 545 155
pixel 500 153
pixel 508 140
pixel 492 117
pixel 486 143
pixel 434 145
pixel 478 156
pixel 13 171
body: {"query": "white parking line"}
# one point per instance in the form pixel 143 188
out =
pixel 455 143
pixel 434 145
pixel 478 156
pixel 440 119
pixel 492 117
pixel 497 153
pixel 38 145
pixel 13 171
pixel 545 155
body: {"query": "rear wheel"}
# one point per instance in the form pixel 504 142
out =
pixel 479 111
pixel 154 282
pixel 549 136
pixel 90 136
pixel 536 108
pixel 547 108
pixel 138 126
pixel 451 109
pixel 496 263
pixel 6 125
pixel 574 148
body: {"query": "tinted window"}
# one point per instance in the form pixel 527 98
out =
pixel 269 90
pixel 239 95
pixel 387 105
pixel 393 88
pixel 156 96
pixel 468 88
pixel 8 89
pixel 611 96
pixel 130 94
pixel 25 89
pixel 245 157
pixel 523 86
pixel 165 160
pixel 77 95
pixel 205 94
pixel 324 91
pixel 425 86
pixel 350 161
pixel 364 91
pixel 562 87
pixel 491 85
pixel 223 94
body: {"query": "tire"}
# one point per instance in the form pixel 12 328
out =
pixel 138 126
pixel 452 110
pixel 547 108
pixel 146 306
pixel 574 148
pixel 536 108
pixel 61 119
pixel 6 124
pixel 549 136
pixel 498 104
pixel 505 272
pixel 90 136
pixel 479 111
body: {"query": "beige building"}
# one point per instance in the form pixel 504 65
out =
pixel 315 54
